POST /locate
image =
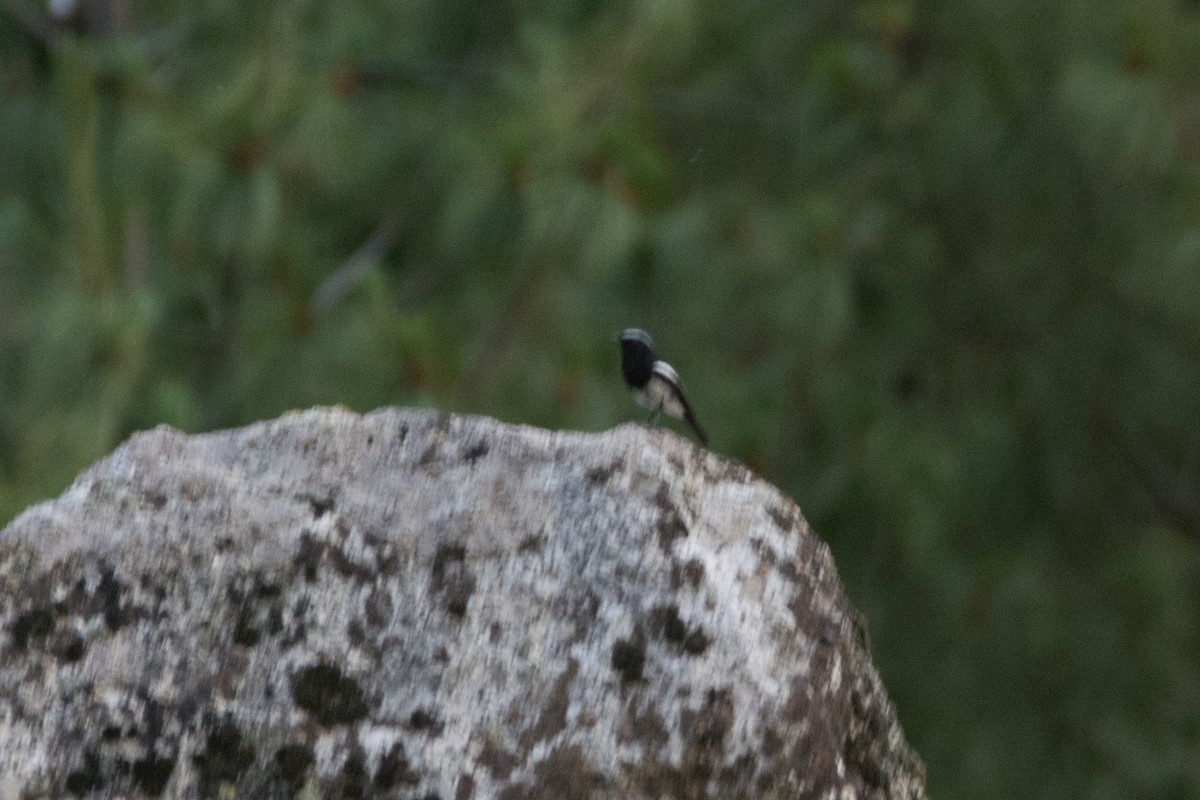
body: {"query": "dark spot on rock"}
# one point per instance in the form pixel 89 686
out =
pixel 441 656
pixel 152 719
pixel 447 554
pixel 378 608
pixel 394 770
pixel 387 558
pixel 866 711
pixel 71 648
pixel 244 632
pixel 739 773
pixel 772 742
pixel 355 633
pixel 431 453
pixel 423 720
pixel 343 565
pixel 299 612
pixel 476 452
pixel 553 717
pixel 190 491
pixel 275 621
pixel 628 658
pixel 765 553
pixel 565 774
pixel 720 470
pixel 456 603
pixel 224 758
pixel 797 707
pixel 580 609
pixel 647 727
pixel 150 774
pixel 308 557
pixel 320 505
pixel 858 759
pixel 766 783
pixel 266 590
pixel 782 517
pixel 109 593
pixel 261 594
pixel 466 787
pixel 530 544
pixel 291 763
pixel 87 778
pixel 224 544
pixel 601 475
pixel 451 578
pixel 704 731
pixel 830 633
pixel 667 622
pixel 693 572
pixel 673 629
pixel 353 778
pixel 657 779
pixel 670 524
pixel 37 623
pixel 708 725
pixel 329 696
pixel 696 642
pixel 498 761
pixel 110 733
pixel 158 500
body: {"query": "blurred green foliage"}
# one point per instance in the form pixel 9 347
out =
pixel 933 268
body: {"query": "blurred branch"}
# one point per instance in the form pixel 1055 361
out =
pixel 424 75
pixel 46 29
pixel 1172 491
pixel 82 112
pixel 352 271
pixel 398 75
pixel 39 27
pixel 1161 323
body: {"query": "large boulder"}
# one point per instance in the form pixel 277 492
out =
pixel 410 604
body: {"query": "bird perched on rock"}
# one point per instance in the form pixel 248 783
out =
pixel 654 382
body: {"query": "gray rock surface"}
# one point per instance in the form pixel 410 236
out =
pixel 418 605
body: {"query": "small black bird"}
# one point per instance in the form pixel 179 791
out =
pixel 655 383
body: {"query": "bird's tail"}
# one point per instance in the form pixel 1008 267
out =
pixel 690 418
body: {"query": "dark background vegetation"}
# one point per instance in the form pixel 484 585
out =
pixel 933 268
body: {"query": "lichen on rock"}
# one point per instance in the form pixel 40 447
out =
pixel 410 604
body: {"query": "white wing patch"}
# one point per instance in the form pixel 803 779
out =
pixel 662 391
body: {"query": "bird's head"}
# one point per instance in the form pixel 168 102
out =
pixel 637 357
